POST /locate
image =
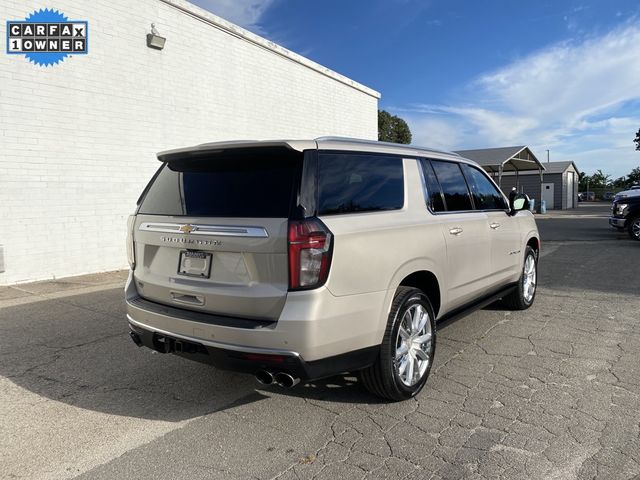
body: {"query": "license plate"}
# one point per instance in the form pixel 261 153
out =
pixel 195 264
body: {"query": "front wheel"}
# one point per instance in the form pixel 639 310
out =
pixel 407 349
pixel 634 228
pixel 524 294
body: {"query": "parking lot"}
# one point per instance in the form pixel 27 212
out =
pixel 552 392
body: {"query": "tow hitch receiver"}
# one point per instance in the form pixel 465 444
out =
pixel 136 338
pixel 164 344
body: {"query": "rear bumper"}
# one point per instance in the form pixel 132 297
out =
pixel 317 334
pixel 249 360
pixel 617 222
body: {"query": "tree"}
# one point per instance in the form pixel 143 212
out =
pixel 599 180
pixel 620 182
pixel 584 180
pixel 392 128
pixel 603 180
pixel 637 140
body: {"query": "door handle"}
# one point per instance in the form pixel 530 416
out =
pixel 455 231
pixel 495 225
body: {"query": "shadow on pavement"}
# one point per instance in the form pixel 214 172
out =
pixel 343 388
pixel 77 350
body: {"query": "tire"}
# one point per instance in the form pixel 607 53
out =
pixel 403 378
pixel 634 228
pixel 524 295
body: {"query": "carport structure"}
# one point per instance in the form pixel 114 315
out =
pixel 496 161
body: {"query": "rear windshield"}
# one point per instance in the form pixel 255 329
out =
pixel 225 186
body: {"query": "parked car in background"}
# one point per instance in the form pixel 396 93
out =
pixel 586 196
pixel 297 260
pixel 635 187
pixel 625 212
pixel 608 196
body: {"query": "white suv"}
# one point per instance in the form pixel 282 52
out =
pixel 296 260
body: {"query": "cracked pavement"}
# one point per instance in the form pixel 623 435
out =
pixel 549 393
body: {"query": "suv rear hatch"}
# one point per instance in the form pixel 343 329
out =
pixel 211 231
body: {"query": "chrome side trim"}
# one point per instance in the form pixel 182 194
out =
pixel 217 230
pixel 222 345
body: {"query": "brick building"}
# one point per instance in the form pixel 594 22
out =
pixel 79 138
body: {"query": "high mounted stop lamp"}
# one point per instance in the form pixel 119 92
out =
pixel 154 40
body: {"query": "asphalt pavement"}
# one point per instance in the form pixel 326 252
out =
pixel 549 393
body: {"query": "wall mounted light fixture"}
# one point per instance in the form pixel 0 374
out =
pixel 154 40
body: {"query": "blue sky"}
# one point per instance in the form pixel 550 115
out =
pixel 557 75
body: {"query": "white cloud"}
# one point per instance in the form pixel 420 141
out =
pixel 569 81
pixel 246 13
pixel 431 131
pixel 571 98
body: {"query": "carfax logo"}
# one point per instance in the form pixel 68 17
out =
pixel 47 37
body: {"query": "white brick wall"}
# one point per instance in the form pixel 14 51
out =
pixel 78 140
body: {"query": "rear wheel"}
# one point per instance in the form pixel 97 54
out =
pixel 407 349
pixel 525 293
pixel 634 228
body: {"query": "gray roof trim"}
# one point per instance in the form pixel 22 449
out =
pixel 506 157
pixel 560 167
pixel 491 156
pixel 555 168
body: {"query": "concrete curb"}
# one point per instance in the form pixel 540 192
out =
pixel 22 294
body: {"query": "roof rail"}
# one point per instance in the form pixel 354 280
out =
pixel 377 142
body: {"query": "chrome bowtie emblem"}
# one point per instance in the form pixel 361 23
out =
pixel 187 228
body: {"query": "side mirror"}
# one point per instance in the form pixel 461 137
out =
pixel 519 202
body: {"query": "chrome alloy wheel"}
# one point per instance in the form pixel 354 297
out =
pixel 635 228
pixel 413 345
pixel 529 278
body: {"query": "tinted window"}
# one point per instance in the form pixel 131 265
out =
pixel 350 183
pixel 434 194
pixel 485 195
pixel 454 186
pixel 261 186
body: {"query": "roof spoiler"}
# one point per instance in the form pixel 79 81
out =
pixel 236 146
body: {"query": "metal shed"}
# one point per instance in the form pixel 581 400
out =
pixel 507 164
pixel 559 184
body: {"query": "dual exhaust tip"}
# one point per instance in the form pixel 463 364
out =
pixel 263 376
pixel 281 378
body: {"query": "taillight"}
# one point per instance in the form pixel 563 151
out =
pixel 309 253
pixel 131 254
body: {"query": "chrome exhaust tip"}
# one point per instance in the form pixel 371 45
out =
pixel 264 377
pixel 285 380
